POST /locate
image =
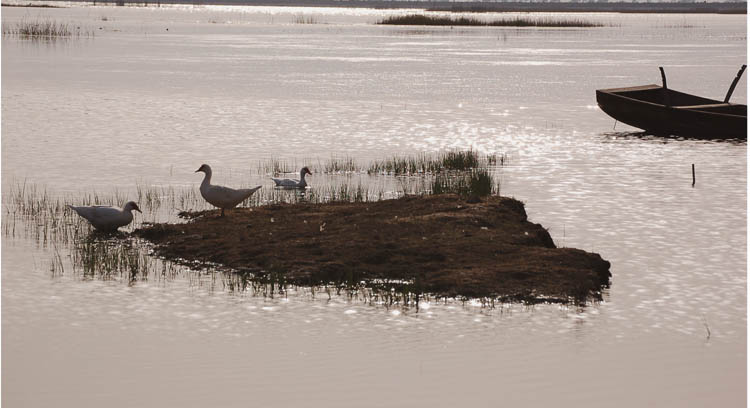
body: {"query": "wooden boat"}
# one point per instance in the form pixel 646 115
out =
pixel 662 111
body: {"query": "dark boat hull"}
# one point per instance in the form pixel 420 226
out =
pixel 667 112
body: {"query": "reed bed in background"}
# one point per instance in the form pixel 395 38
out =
pixel 340 165
pixel 277 166
pixel 433 163
pixel 437 20
pixel 335 165
pixel 39 29
pixel 302 19
pixel 396 165
pixel 35 5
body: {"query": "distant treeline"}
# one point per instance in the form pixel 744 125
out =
pixel 730 7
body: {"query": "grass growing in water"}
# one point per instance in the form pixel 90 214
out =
pixel 45 29
pixel 31 5
pixel 421 19
pixel 340 165
pixel 33 212
pixel 301 19
pixel 477 182
pixel 459 160
pixel 30 210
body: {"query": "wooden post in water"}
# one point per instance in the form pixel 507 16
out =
pixel 693 174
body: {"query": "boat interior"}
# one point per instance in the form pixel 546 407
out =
pixel 655 94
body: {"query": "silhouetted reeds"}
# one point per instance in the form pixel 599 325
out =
pixel 439 20
pixel 477 182
pixel 45 29
pixel 302 19
pixel 340 165
pixel 35 5
pixel 33 212
pixel 432 163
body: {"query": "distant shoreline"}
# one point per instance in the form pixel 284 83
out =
pixel 452 6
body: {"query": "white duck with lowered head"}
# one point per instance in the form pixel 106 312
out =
pixel 220 196
pixel 289 183
pixel 105 218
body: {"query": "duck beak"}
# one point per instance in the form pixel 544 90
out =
pixel 197 171
pixel 138 209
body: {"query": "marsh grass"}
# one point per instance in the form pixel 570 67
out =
pixel 40 29
pixel 334 165
pixel 340 193
pixel 302 19
pixel 29 210
pixel 276 166
pixel 432 163
pixel 32 211
pixel 438 20
pixel 395 165
pixel 33 5
pixel 45 217
pixel 477 182
pixel 340 165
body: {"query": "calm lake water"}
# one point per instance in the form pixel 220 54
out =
pixel 158 91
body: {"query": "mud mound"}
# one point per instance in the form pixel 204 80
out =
pixel 439 244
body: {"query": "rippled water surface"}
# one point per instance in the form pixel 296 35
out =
pixel 158 91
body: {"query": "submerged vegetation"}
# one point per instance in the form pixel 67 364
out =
pixel 439 20
pixel 40 29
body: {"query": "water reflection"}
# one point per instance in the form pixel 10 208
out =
pixel 645 136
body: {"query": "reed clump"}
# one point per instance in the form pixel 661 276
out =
pixel 35 5
pixel 458 160
pixel 395 165
pixel 427 20
pixel 39 29
pixel 302 19
pixel 340 165
pixel 477 182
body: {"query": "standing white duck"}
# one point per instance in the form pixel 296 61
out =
pixel 106 218
pixel 220 196
pixel 289 183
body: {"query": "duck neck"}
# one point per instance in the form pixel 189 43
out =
pixel 302 181
pixel 206 179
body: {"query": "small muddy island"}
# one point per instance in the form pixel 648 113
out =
pixel 438 244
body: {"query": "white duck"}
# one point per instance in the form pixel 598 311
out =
pixel 289 183
pixel 220 196
pixel 106 218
